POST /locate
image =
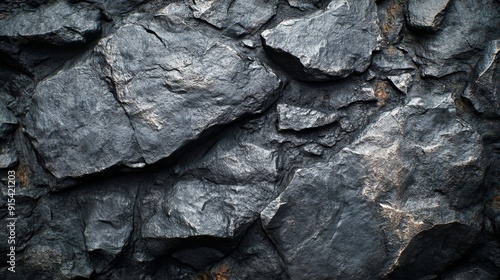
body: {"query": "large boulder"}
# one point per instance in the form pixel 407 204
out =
pixel 373 197
pixel 165 69
pixel 145 83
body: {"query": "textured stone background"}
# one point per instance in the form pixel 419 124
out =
pixel 251 139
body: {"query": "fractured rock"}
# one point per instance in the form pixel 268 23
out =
pixel 239 17
pixel 484 92
pixel 174 85
pixel 397 183
pixel 327 44
pixel 8 122
pixel 65 123
pixel 152 78
pixel 217 196
pixel 425 14
pixel 321 229
pixel 58 24
pixel 455 46
pixel 196 207
pixel 297 118
pixel 305 4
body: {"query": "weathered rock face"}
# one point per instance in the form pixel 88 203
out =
pixel 426 15
pixel 484 92
pixel 237 17
pixel 328 44
pixel 57 24
pixel 167 70
pixel 258 139
pixel 72 145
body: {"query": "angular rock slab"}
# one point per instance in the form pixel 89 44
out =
pixel 323 231
pixel 77 126
pixel 412 175
pixel 305 4
pixel 327 44
pixel 176 83
pixel 57 24
pixel 425 14
pixel 238 17
pixel 297 118
pixel 168 91
pixel 484 93
pixel 467 28
pixel 8 122
pixel 195 207
pixel 218 196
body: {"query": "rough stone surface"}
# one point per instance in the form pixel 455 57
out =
pixel 484 92
pixel 328 44
pixel 58 24
pixel 296 118
pixel 250 140
pixel 171 69
pixel 426 15
pixel 305 4
pixel 65 123
pixel 454 48
pixel 238 17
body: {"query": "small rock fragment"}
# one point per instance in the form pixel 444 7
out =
pixel 297 118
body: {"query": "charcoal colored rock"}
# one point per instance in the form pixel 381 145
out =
pixel 59 24
pixel 8 122
pixel 232 184
pixel 260 139
pixel 350 36
pixel 484 92
pixel 165 70
pixel 305 4
pixel 237 17
pixel 115 8
pixel 426 15
pixel 322 245
pixel 456 47
pixel 65 123
pixel 297 119
pixel 370 175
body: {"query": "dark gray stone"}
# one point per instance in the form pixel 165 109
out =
pixel 374 188
pixel 194 207
pixel 327 44
pixel 320 229
pixel 255 258
pixel 8 156
pixel 116 8
pixel 305 5
pixel 170 148
pixel 238 17
pixel 167 69
pixel 297 119
pixel 8 122
pixel 484 92
pixel 66 127
pixel 58 24
pixel 455 47
pixel 426 15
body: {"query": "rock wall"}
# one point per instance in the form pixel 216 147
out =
pixel 250 139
